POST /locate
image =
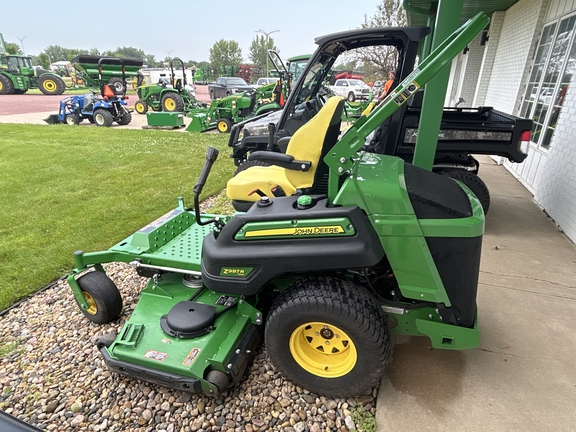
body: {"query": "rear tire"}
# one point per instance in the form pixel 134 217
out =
pixel 351 97
pixel 473 182
pixel 328 335
pixel 119 85
pixel 247 164
pixel 172 102
pixel 102 295
pixel 103 117
pixel 6 86
pixel 51 84
pixel 141 106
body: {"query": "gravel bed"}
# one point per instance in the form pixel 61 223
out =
pixel 52 376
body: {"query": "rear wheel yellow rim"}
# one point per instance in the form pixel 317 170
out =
pixel 170 104
pixel 323 349
pixel 49 85
pixel 92 308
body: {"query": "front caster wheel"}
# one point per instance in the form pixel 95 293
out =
pixel 328 335
pixel 102 295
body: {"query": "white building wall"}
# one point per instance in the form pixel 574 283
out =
pixel 496 22
pixel 520 31
pixel 471 74
pixel 556 186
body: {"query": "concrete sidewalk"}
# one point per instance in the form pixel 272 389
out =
pixel 522 377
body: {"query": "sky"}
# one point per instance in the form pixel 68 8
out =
pixel 179 28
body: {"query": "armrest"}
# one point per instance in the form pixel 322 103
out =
pixel 281 160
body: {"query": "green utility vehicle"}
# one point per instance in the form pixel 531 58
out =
pixel 464 132
pixel 169 95
pixel 328 272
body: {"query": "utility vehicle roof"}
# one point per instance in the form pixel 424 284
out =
pixel 375 36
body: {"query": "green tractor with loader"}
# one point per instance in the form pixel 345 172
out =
pixel 358 245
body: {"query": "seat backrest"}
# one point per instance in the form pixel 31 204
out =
pixel 314 140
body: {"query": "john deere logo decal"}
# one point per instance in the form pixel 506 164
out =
pixel 304 231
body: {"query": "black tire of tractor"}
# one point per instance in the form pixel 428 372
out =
pixel 247 164
pixel 473 182
pixel 125 118
pixel 172 102
pixel 72 119
pixel 102 295
pixel 119 85
pixel 6 85
pixel 103 117
pixel 351 97
pixel 141 106
pixel 51 84
pixel 224 125
pixel 346 316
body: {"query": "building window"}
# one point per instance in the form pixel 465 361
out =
pixel 554 65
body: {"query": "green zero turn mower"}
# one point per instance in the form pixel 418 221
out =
pixel 325 275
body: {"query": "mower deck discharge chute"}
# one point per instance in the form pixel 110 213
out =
pixel 387 247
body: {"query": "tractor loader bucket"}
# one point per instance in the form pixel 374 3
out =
pixel 198 122
pixel 52 119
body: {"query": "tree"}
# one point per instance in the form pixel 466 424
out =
pixel 124 52
pixel 13 48
pixel 259 51
pixel 225 57
pixel 378 61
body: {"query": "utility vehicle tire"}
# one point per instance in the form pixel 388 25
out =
pixel 72 119
pixel 172 102
pixel 473 182
pixel 119 85
pixel 141 106
pixel 51 84
pixel 6 86
pixel 219 379
pixel 328 335
pixel 125 118
pixel 247 164
pixel 102 295
pixel 103 117
pixel 351 97
pixel 224 125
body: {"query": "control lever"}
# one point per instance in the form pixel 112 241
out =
pixel 271 133
pixel 211 156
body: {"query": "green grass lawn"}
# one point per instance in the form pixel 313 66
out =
pixel 66 188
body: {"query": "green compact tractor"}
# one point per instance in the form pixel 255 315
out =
pixel 223 113
pixel 325 272
pixel 173 95
pixel 17 76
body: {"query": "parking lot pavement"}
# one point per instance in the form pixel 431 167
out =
pixel 522 376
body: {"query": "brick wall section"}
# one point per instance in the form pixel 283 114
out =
pixel 556 187
pixel 496 22
pixel 471 75
pixel 519 35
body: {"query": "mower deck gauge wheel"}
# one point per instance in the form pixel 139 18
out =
pixel 102 295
